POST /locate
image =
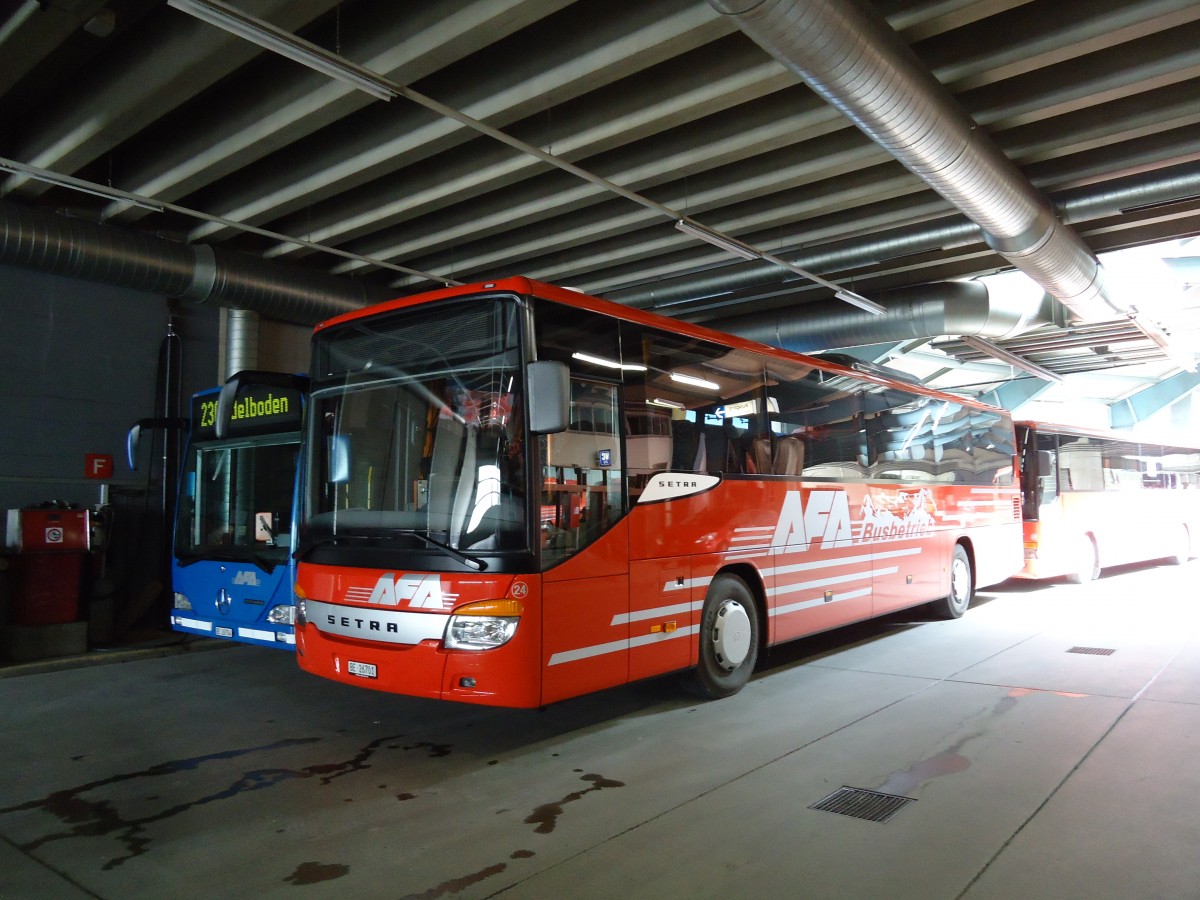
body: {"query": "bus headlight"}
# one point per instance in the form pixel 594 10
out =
pixel 282 614
pixel 483 625
pixel 300 617
pixel 182 602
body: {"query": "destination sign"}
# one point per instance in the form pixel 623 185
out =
pixel 257 409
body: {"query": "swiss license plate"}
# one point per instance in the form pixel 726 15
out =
pixel 222 631
pixel 362 670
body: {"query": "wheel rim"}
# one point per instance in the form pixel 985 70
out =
pixel 731 635
pixel 960 581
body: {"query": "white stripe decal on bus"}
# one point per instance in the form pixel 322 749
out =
pixel 823 582
pixel 566 656
pixel 658 637
pixel 818 601
pixel 641 640
pixel 639 615
pixel 192 623
pixel 841 561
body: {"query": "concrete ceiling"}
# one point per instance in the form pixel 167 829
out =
pixel 1097 102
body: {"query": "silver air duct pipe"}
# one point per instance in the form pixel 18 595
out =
pixel 241 342
pixel 952 307
pixel 849 55
pixel 35 239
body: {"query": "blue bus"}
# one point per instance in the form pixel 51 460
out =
pixel 232 571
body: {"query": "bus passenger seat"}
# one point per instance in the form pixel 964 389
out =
pixel 789 456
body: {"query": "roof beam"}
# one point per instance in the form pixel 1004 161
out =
pixel 613 49
pixel 1155 398
pixel 131 90
pixel 1013 394
pixel 250 123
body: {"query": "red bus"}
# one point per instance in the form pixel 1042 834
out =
pixel 1094 499
pixel 516 493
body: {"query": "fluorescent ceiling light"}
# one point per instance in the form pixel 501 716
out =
pixel 745 251
pixel 286 44
pixel 694 381
pixel 728 244
pixel 997 352
pixel 1184 359
pixel 84 187
pixel 669 404
pixel 608 363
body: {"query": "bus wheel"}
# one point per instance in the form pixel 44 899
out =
pixel 1087 560
pixel 954 604
pixel 728 640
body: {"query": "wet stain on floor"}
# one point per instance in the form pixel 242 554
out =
pixel 314 872
pixel 86 817
pixel 545 817
pixel 948 762
pixel 457 885
pixel 435 750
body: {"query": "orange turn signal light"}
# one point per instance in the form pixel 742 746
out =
pixel 491 608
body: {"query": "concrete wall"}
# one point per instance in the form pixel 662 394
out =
pixel 79 368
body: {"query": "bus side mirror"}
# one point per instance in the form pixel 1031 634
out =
pixel 134 437
pixel 131 446
pixel 549 396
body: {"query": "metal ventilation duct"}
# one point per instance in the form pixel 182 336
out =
pixel 955 307
pixel 849 55
pixel 35 239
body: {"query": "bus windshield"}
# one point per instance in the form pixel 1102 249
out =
pixel 415 434
pixel 236 502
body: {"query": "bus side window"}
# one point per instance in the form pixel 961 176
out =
pixel 583 475
pixel 816 422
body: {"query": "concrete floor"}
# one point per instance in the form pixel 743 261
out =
pixel 1037 772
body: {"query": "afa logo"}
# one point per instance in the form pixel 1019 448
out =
pixel 420 591
pixel 825 518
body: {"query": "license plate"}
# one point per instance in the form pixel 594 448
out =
pixel 362 670
pixel 224 632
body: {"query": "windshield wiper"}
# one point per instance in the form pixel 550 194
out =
pixel 471 561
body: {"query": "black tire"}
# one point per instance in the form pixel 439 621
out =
pixel 1087 562
pixel 729 638
pixel 962 587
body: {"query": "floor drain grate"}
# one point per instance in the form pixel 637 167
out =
pixel 1093 651
pixel 863 804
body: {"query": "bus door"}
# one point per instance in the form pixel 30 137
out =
pixel 585 596
pixel 822 575
pixel 910 443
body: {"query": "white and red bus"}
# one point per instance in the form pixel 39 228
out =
pixel 1094 499
pixel 515 494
